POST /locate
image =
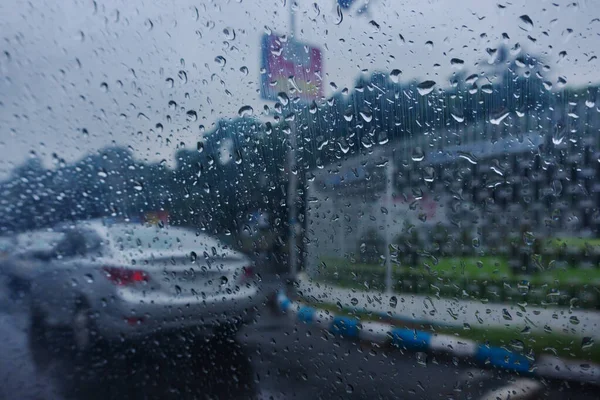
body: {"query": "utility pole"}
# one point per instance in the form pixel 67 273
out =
pixel 293 177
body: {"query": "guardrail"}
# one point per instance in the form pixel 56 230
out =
pixel 414 340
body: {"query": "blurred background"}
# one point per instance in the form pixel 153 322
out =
pixel 166 169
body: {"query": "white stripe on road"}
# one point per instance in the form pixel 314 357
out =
pixel 582 371
pixel 520 389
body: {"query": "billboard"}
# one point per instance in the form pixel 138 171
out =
pixel 290 67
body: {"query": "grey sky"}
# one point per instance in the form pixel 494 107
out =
pixel 47 98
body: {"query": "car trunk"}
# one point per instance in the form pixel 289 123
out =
pixel 179 275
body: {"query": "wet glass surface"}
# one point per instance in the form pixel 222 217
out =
pixel 285 199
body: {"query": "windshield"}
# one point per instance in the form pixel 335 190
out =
pixel 280 199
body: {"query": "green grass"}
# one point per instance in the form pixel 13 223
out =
pixel 559 344
pixel 471 267
pixel 488 278
pixel 462 267
pixel 570 243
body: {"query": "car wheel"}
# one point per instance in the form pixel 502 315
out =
pixel 81 330
pixel 42 339
pixel 228 330
pixel 83 334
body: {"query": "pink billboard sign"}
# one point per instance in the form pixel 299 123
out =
pixel 290 67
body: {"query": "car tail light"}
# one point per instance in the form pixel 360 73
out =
pixel 124 276
pixel 248 271
pixel 247 274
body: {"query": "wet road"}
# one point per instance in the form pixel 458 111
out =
pixel 273 358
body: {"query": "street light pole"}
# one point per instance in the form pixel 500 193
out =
pixel 292 181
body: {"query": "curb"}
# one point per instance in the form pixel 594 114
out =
pixel 414 340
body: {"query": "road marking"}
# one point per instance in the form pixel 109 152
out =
pixel 520 389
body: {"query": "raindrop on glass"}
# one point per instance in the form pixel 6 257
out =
pixel 245 111
pixel 425 87
pixel 395 75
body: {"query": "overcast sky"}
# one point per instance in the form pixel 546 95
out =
pixel 56 56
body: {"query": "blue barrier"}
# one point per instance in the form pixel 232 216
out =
pixel 345 326
pixel 410 339
pixel 416 340
pixel 503 358
pixel 306 314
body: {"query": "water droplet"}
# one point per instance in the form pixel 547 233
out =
pixel 104 87
pixel 497 119
pixel 245 111
pixel 428 174
pixel 191 116
pixel 457 63
pixel 375 25
pixel 418 154
pixel 425 87
pixel 170 82
pixel 471 79
pixel 200 147
pixel 340 15
pixel 523 287
pixel 468 156
pixel 182 77
pixel 517 345
pixel 562 55
pixel 283 98
pixel 487 88
pixel 457 118
pixel 193 256
pixel 312 108
pixel 395 75
pixel 149 24
pixel 354 301
pixel 348 115
pixel 229 34
pixel 344 147
pixel 138 186
pixel 221 61
pixel 421 358
pixel 525 23
pixel 349 387
pixel 89 278
pixel 506 315
pixel 366 115
pixel 244 70
pixel 587 342
pixel 393 301
pixel 102 173
pixel 172 105
pixel 558 136
pixel 528 238
pixel 224 280
pixel 429 45
pixel 574 320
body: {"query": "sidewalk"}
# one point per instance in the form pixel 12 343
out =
pixel 429 310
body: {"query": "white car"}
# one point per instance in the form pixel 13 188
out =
pixel 131 280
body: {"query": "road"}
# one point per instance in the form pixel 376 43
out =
pixel 273 358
